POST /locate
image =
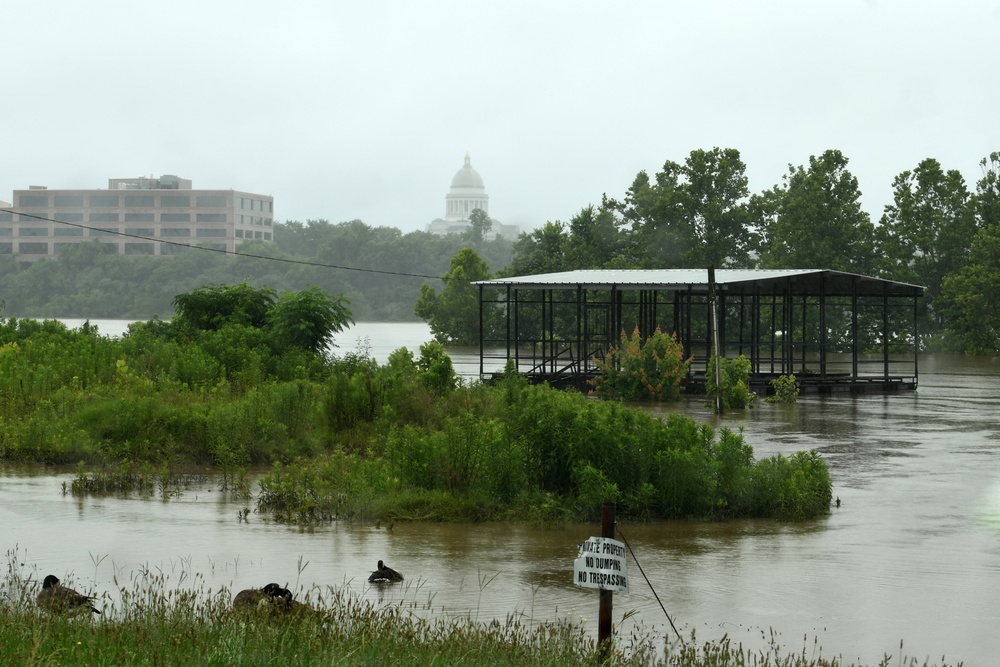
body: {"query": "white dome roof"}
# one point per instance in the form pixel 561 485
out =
pixel 467 177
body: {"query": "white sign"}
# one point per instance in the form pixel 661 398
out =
pixel 601 564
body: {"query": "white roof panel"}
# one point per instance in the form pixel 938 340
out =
pixel 739 280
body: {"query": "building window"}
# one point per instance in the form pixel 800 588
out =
pixel 210 217
pixel 33 248
pixel 211 233
pixel 6 248
pixel 140 231
pixel 6 231
pixel 139 249
pixel 174 232
pixel 104 217
pixel 139 201
pixel 66 216
pixel 171 249
pixel 267 236
pixel 104 200
pixel 57 247
pixel 238 202
pixel 140 217
pixel 239 233
pixel 175 217
pixel 175 200
pixel 69 200
pixel 68 231
pixel 33 200
pixel 33 231
pixel 211 201
pixel 213 246
pixel 6 216
pixel 104 232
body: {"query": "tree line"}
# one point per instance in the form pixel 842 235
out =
pixel 939 232
pixel 379 270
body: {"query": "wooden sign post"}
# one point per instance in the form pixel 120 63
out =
pixel 601 564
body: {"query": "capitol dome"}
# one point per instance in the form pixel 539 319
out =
pixel 466 195
pixel 467 177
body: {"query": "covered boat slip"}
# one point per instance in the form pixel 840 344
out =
pixel 834 331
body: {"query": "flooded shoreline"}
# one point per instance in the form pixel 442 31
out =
pixel 912 554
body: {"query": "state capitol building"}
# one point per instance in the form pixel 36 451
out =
pixel 467 193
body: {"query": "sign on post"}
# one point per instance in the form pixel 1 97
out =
pixel 601 564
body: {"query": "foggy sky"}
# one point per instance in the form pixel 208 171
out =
pixel 345 110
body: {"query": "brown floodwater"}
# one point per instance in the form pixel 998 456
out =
pixel 912 554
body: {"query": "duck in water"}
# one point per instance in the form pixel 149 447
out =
pixel 56 597
pixel 384 575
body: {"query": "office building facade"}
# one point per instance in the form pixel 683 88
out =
pixel 135 216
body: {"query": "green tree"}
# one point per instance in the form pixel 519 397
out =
pixel 694 215
pixel 453 314
pixel 594 240
pixel 970 296
pixel 211 307
pixel 481 226
pixel 815 220
pixel 309 319
pixel 541 251
pixel 926 232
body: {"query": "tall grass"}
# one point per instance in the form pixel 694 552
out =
pixel 150 620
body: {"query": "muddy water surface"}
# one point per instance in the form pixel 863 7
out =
pixel 912 553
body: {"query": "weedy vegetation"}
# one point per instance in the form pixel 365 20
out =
pixel 151 620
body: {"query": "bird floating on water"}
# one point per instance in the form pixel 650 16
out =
pixel 56 597
pixel 384 575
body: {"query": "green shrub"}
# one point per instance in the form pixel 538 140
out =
pixel 642 371
pixel 734 382
pixel 786 390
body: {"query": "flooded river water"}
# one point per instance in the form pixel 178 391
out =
pixel 912 554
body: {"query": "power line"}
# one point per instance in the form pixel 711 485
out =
pixel 226 252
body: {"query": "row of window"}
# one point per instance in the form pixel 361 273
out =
pixel 143 201
pixel 109 248
pixel 132 231
pixel 68 216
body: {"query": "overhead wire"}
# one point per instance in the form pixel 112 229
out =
pixel 650 584
pixel 234 253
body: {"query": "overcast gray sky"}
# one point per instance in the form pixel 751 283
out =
pixel 345 110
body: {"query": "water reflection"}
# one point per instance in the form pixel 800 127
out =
pixel 913 553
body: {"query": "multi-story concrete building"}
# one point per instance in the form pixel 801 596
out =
pixel 135 216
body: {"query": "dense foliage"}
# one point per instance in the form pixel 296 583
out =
pixel 350 437
pixel 378 269
pixel 938 232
